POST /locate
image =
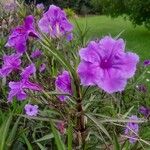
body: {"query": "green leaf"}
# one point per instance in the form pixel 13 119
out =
pixel 27 142
pixel 41 146
pixel 70 135
pixel 128 112
pixel 46 137
pixel 116 142
pixel 99 125
pixel 4 131
pixel 12 134
pixel 59 143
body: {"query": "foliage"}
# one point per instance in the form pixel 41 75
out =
pixel 136 10
pixel 69 12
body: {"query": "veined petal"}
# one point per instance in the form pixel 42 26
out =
pixel 90 53
pixel 88 73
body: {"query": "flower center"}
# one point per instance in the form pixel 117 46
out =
pixel 105 63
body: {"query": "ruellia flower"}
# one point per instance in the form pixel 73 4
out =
pixel 144 111
pixel 20 35
pixel 132 129
pixel 18 89
pixel 146 63
pixel 63 85
pixel 106 64
pixel 42 68
pixel 31 110
pixel 61 127
pixel 37 53
pixel 10 63
pixel 55 23
pixel 40 6
pixel 28 71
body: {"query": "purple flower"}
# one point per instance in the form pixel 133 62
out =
pixel 69 37
pixel 146 63
pixel 11 6
pixel 42 67
pixel 31 110
pixel 55 23
pixel 20 35
pixel 63 85
pixel 17 89
pixel 28 71
pixel 37 53
pixel 61 127
pixel 144 111
pixel 106 64
pixel 11 62
pixel 132 129
pixel 40 6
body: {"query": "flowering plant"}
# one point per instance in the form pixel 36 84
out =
pixel 51 75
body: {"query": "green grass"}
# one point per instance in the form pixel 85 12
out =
pixel 137 39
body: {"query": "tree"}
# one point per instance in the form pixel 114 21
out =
pixel 138 11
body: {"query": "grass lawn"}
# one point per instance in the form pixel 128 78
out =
pixel 138 39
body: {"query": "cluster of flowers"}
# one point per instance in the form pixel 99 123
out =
pixel 104 63
pixel 54 23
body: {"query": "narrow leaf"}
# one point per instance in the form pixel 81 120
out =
pixel 59 143
pixel 4 131
pixel 99 125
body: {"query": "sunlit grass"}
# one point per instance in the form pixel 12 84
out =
pixel 138 39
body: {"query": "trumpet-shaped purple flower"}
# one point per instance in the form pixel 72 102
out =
pixel 132 129
pixel 31 110
pixel 63 85
pixel 18 89
pixel 40 6
pixel 20 35
pixel 42 67
pixel 55 23
pixel 28 71
pixel 11 62
pixel 144 111
pixel 37 53
pixel 106 64
pixel 146 62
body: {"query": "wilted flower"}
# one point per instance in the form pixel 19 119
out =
pixel 40 6
pixel 37 53
pixel 42 67
pixel 142 88
pixel 11 6
pixel 20 35
pixel 106 64
pixel 18 88
pixel 55 23
pixel 61 127
pixel 63 85
pixel 132 129
pixel 146 62
pixel 31 110
pixel 11 62
pixel 144 111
